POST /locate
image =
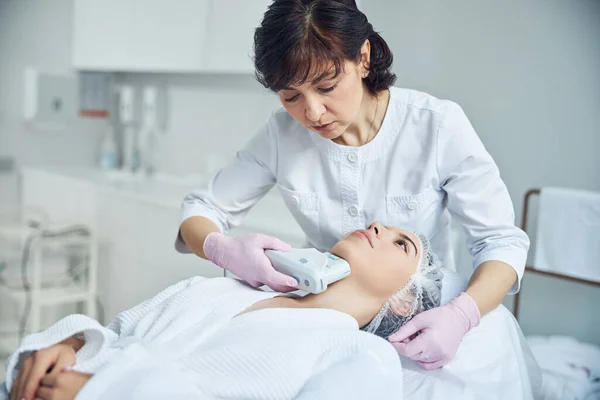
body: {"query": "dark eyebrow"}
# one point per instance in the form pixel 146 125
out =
pixel 411 242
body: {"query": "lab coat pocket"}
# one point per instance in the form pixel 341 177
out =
pixel 415 212
pixel 304 206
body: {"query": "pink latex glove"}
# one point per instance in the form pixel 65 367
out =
pixel 440 329
pixel 245 257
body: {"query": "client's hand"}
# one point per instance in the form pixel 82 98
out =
pixel 63 386
pixel 245 257
pixel 51 360
pixel 440 329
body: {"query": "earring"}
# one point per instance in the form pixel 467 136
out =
pixel 365 74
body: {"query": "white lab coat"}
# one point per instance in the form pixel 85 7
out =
pixel 425 163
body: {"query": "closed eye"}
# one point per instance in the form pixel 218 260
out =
pixel 327 90
pixel 291 99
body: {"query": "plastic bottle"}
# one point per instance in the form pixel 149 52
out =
pixel 108 150
pixel 127 121
pixel 131 151
pixel 149 134
pixel 149 146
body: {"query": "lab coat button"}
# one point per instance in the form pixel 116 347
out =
pixel 353 211
pixel 352 157
pixel 412 205
pixel 295 201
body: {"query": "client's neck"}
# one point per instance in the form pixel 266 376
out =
pixel 345 296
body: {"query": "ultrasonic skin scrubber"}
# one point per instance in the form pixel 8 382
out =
pixel 312 269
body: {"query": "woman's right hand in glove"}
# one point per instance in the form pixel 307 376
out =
pixel 49 361
pixel 245 257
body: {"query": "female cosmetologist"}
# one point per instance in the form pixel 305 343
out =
pixel 348 148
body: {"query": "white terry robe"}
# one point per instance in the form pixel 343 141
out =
pixel 187 342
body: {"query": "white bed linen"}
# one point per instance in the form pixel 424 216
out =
pixel 493 362
pixel 183 342
pixel 570 368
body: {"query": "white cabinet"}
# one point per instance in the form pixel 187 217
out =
pixel 101 31
pixel 136 224
pixel 137 258
pixel 65 199
pixel 139 35
pixel 137 255
pixel 168 35
pixel 165 35
pixel 231 32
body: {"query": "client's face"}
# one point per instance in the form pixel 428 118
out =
pixel 381 258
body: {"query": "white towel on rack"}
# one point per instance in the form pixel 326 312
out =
pixel 568 233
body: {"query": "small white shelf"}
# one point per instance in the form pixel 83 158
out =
pixel 72 239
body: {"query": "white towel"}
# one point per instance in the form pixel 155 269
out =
pixel 568 233
pixel 570 369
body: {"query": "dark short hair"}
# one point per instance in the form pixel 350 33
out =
pixel 299 40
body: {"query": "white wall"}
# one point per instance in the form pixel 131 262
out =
pixel 527 74
pixel 209 114
pixel 37 33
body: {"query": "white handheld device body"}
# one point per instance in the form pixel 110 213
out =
pixel 312 269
